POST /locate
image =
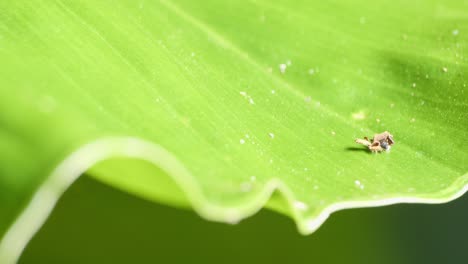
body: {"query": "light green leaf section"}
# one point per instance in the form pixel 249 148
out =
pixel 218 104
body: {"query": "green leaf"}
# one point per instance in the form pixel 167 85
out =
pixel 216 105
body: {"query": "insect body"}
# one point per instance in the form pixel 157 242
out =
pixel 379 143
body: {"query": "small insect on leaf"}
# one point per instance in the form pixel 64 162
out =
pixel 379 143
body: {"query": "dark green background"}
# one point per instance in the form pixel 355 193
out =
pixel 94 223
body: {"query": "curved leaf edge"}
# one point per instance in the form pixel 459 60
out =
pixel 40 206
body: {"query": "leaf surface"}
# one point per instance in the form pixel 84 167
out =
pixel 218 104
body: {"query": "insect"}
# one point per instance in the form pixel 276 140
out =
pixel 379 143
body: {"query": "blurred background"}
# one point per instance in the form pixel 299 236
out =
pixel 94 223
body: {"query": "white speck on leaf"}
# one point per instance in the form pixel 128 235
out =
pixel 311 71
pixel 414 85
pixel 307 99
pixel 358 115
pixel 412 120
pixel 300 205
pixel 455 32
pixel 273 91
pixel 242 141
pixel 248 97
pixel 333 133
pixel 246 186
pixel 282 67
pixel 377 120
pixel 272 136
pixel 444 69
pixel 359 184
